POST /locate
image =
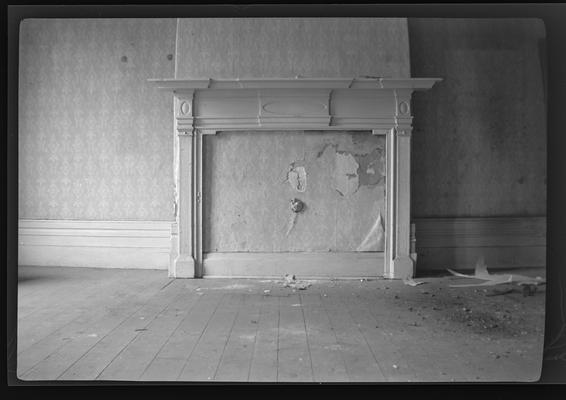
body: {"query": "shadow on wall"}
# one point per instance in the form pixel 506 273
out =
pixel 479 143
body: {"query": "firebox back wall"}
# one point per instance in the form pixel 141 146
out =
pixel 250 178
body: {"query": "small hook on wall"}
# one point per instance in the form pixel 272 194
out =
pixel 297 205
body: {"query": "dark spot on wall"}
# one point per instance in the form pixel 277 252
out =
pixel 326 145
pixel 521 180
pixel 169 57
pixel 359 137
pixel 371 168
pixel 124 59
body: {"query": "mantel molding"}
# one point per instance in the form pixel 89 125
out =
pixel 299 103
pixel 207 106
pixel 179 85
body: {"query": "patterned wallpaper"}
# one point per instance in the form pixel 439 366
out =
pixel 487 118
pixel 287 47
pixel 95 139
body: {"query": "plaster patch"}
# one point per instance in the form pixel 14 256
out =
pixel 346 179
pixel 297 178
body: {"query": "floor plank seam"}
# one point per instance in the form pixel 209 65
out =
pixel 306 336
pixel 228 337
pixel 61 346
pixel 136 335
pixel 220 301
pixel 335 336
pixel 278 329
pixel 170 335
pixel 255 337
pixel 98 341
pixel 368 344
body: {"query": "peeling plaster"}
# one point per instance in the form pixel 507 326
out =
pixel 374 240
pixel 297 178
pixel 371 171
pixel 346 180
pixel 291 224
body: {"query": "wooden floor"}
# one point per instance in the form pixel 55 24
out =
pixel 101 324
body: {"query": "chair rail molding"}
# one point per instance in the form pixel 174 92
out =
pixel 208 106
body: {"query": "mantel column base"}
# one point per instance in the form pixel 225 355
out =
pixel 183 267
pixel 400 268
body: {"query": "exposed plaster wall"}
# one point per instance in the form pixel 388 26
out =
pixel 479 143
pixel 252 177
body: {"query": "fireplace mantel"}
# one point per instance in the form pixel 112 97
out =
pixel 208 106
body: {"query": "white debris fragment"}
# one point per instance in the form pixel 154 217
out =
pixel 412 282
pixel 291 282
pixel 495 279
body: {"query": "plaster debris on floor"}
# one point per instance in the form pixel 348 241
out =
pixel 412 282
pixel 291 281
pixel 488 279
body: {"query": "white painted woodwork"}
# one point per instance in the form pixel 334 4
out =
pixel 504 242
pixel 207 106
pixel 107 244
pixel 302 265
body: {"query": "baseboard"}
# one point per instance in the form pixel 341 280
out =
pixel 303 265
pixel 504 242
pixel 440 242
pixel 106 244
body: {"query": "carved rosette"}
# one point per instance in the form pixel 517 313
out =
pixel 184 120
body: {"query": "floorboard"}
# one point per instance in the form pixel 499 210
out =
pixel 93 364
pixel 263 367
pixel 80 324
pixel 171 358
pixel 236 360
pixel 203 362
pixel 326 355
pixel 294 360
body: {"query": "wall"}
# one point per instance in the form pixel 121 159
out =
pixel 287 47
pixel 479 143
pixel 95 140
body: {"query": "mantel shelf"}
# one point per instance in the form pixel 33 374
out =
pixel 296 83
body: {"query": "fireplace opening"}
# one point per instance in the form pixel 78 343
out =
pixel 254 183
